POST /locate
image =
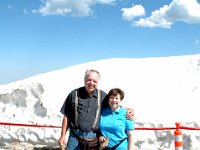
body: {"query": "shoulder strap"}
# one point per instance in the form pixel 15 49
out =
pixel 114 147
pixel 98 109
pixel 76 111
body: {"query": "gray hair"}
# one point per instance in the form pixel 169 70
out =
pixel 89 71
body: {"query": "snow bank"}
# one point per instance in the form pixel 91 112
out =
pixel 161 91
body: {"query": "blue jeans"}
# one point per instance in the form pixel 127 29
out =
pixel 72 143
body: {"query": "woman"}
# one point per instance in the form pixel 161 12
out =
pixel 114 125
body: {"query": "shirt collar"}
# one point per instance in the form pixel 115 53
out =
pixel 117 111
pixel 94 94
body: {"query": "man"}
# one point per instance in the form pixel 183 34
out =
pixel 81 111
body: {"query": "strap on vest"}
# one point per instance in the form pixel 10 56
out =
pixel 98 109
pixel 76 111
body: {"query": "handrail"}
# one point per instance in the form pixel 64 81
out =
pixel 137 128
pixel 28 125
pixel 177 133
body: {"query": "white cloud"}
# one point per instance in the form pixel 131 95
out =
pixel 178 10
pixel 11 7
pixel 157 19
pixel 105 1
pixel 197 42
pixel 130 13
pixel 184 10
pixel 79 8
pixel 25 11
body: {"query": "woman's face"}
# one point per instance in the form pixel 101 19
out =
pixel 114 101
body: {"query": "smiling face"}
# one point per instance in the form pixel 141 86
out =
pixel 91 81
pixel 115 95
pixel 114 101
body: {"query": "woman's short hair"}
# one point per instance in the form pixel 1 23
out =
pixel 116 91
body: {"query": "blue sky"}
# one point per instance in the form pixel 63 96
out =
pixel 39 36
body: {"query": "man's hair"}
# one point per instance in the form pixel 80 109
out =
pixel 89 71
pixel 116 91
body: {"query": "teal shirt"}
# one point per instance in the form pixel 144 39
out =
pixel 114 126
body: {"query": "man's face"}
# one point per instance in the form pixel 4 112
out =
pixel 91 82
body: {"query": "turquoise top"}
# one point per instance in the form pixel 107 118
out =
pixel 114 126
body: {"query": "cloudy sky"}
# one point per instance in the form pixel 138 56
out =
pixel 39 36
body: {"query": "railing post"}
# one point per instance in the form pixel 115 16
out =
pixel 178 138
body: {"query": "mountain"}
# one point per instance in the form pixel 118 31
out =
pixel 162 91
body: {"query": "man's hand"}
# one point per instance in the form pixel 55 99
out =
pixel 130 114
pixel 62 141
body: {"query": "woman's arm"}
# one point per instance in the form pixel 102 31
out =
pixel 130 140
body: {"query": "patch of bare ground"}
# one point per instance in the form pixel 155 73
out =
pixel 27 146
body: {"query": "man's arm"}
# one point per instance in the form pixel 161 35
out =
pixel 65 126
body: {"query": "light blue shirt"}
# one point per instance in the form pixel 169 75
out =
pixel 114 126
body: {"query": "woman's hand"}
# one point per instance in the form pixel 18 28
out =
pixel 102 139
pixel 103 142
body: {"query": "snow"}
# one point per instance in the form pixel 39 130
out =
pixel 161 90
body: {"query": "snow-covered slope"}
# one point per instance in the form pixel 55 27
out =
pixel 161 91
